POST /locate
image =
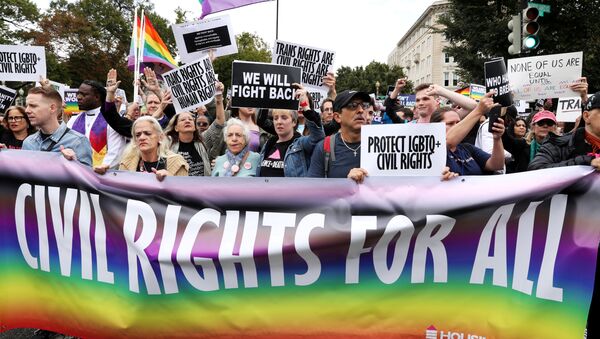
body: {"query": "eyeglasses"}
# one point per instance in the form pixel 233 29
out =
pixel 545 122
pixel 202 124
pixel 15 119
pixel 354 105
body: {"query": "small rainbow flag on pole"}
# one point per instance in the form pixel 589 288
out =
pixel 155 53
pixel 214 6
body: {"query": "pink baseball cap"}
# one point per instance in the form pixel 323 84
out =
pixel 543 115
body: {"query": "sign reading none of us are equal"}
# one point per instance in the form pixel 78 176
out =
pixel 403 149
pixel 257 84
pixel 545 76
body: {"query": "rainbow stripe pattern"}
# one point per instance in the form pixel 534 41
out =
pixel 156 52
pixel 279 299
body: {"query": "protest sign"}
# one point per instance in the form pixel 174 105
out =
pixel 476 92
pixel 7 96
pixel 408 100
pixel 60 88
pixel 318 96
pixel 544 76
pixel 192 85
pixel 478 256
pixel 22 63
pixel 194 39
pixel 568 109
pixel 71 103
pixel 497 80
pixel 315 62
pixel 257 84
pixel 390 89
pixel 403 149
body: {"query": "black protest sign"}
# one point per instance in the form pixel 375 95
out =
pixel 496 79
pixel 208 38
pixel 315 62
pixel 7 96
pixel 192 85
pixel 257 84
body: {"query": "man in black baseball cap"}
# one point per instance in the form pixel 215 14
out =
pixel 581 147
pixel 338 156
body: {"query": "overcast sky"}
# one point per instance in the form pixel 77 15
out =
pixel 359 31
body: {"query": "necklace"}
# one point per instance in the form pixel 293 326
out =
pixel 354 150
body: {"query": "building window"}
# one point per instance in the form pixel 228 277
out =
pixel 454 80
pixel 446 79
pixel 446 58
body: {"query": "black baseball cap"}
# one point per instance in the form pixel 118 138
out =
pixel 593 102
pixel 343 98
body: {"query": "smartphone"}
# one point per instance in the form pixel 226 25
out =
pixel 493 115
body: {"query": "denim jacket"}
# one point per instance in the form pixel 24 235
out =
pixel 71 139
pixel 297 157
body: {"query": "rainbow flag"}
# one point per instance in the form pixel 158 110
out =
pixel 464 91
pixel 156 53
pixel 214 6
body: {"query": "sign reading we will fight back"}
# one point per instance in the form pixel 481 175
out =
pixel 257 84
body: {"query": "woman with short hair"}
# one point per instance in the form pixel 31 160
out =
pixel 238 160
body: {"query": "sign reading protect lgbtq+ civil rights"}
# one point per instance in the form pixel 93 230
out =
pixel 22 63
pixel 195 38
pixel 257 84
pixel 403 149
pixel 192 85
pixel 315 62
pixel 546 76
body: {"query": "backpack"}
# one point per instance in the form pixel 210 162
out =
pixel 329 152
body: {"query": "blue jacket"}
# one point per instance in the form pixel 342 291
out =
pixel 297 157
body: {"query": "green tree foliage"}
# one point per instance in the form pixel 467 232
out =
pixel 477 31
pixel 16 16
pixel 251 47
pixel 366 78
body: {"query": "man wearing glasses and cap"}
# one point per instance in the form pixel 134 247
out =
pixel 582 147
pixel 338 156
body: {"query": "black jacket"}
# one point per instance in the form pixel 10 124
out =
pixel 566 150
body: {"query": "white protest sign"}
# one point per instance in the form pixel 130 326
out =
pixel 403 149
pixel 318 96
pixel 22 63
pixel 521 105
pixel 546 76
pixel 60 88
pixel 194 39
pixel 315 62
pixel 192 85
pixel 568 109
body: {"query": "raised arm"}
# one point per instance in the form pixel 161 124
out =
pixel 457 133
pixel 467 104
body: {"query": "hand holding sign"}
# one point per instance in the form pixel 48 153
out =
pixel 45 83
pixel 486 103
pixel 580 86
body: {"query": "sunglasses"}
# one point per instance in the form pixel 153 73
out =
pixel 545 122
pixel 202 124
pixel 354 105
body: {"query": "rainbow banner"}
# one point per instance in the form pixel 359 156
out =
pixel 125 256
pixel 71 102
pixel 156 55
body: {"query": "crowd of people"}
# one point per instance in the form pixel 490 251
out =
pixel 218 140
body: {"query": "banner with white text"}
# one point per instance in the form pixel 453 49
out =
pixel 126 256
